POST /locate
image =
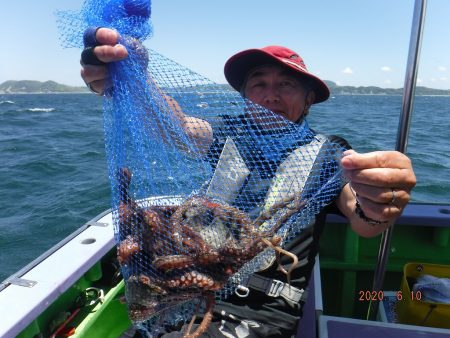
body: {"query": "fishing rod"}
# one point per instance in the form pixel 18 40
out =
pixel 402 136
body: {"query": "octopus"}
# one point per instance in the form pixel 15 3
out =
pixel 193 249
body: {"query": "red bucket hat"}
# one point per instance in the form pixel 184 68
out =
pixel 238 66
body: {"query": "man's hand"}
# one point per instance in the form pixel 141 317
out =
pixel 382 182
pixel 107 50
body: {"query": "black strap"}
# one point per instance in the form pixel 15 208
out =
pixel 275 288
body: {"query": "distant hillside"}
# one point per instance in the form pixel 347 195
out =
pixel 372 90
pixel 33 87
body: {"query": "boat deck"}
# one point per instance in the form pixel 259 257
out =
pixel 49 285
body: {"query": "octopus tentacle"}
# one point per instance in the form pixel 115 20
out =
pixel 193 241
pixel 287 253
pixel 127 248
pixel 194 279
pixel 293 204
pixel 183 234
pixel 171 262
pixel 124 179
pixel 207 318
pixel 178 241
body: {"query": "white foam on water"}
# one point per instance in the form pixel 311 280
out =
pixel 41 109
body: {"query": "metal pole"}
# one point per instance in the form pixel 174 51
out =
pixel 402 135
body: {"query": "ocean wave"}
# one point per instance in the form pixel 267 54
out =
pixel 41 109
pixel 7 102
pixel 202 105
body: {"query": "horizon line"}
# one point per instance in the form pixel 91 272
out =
pixel 334 83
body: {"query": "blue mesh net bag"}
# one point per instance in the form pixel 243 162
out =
pixel 207 187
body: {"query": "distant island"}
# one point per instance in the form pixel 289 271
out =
pixel 372 90
pixel 37 87
pixel 51 87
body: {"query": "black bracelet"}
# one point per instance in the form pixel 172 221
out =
pixel 366 219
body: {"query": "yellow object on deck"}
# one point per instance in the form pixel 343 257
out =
pixel 411 308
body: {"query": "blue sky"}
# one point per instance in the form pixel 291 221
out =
pixel 351 42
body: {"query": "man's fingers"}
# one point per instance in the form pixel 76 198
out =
pixel 102 47
pixel 96 78
pixel 382 181
pixel 106 36
pixel 383 177
pixel 90 73
pixel 382 195
pixel 98 87
pixel 376 159
pixel 110 53
pixel 380 212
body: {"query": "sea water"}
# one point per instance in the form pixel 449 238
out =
pixel 53 171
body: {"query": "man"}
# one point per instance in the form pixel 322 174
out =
pixel 376 191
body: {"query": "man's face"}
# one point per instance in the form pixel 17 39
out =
pixel 274 88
